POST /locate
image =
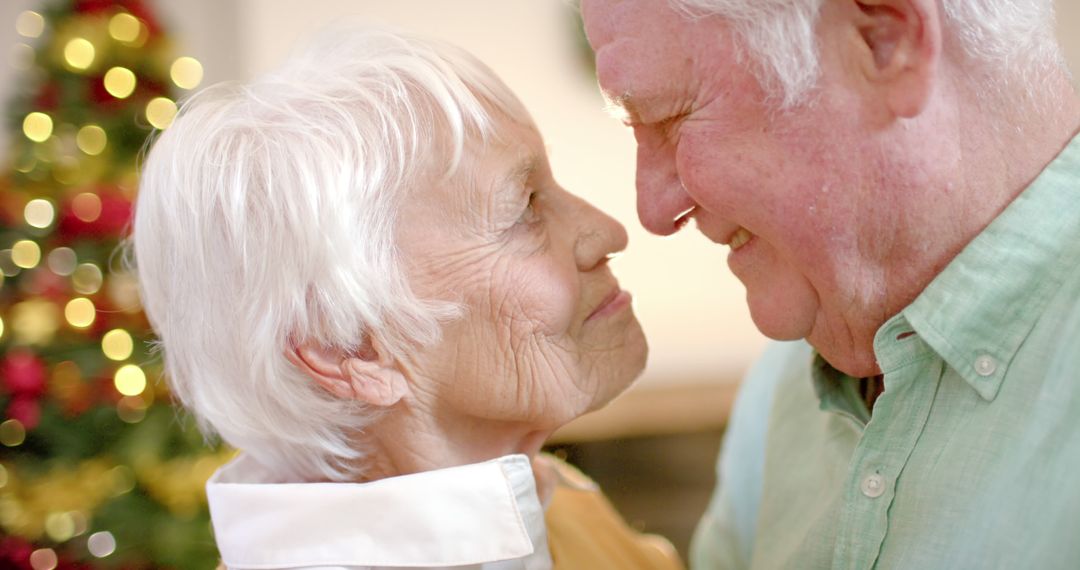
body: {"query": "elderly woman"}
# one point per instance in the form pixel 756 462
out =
pixel 365 277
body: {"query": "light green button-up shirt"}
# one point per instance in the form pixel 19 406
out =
pixel 971 458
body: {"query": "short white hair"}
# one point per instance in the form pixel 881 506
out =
pixel 266 217
pixel 1004 39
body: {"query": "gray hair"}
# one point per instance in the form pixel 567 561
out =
pixel 1004 39
pixel 266 217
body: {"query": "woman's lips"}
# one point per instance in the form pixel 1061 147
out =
pixel 615 301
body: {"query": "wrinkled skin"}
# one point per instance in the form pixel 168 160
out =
pixel 852 202
pixel 528 263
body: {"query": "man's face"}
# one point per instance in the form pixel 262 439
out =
pixel 792 193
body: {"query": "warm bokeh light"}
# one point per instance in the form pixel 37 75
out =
pixel 131 409
pixel 101 544
pixel 12 433
pixel 60 526
pixel 39 213
pixel 186 72
pixel 86 206
pixel 87 278
pixel 117 344
pixel 124 27
pixel 38 126
pixel 43 559
pixel 120 82
pixel 80 312
pixel 92 140
pixel 1 336
pixel 21 57
pixel 62 261
pixel 34 321
pixel 26 254
pixel 30 24
pixel 130 380
pixel 160 111
pixel 79 53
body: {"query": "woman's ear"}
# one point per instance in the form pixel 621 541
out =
pixel 369 375
pixel 900 48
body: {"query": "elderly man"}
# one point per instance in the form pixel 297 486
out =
pixel 899 185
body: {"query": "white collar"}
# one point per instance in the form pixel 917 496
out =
pixel 473 514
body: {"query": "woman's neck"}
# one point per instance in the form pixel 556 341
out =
pixel 405 442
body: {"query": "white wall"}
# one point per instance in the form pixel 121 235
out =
pixel 691 307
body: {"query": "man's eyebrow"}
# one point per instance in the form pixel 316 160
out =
pixel 621 107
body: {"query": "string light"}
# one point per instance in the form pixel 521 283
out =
pixel 160 111
pixel 1 336
pixel 131 409
pixel 124 27
pixel 130 380
pixel 186 72
pixel 62 261
pixel 30 24
pixel 43 559
pixel 38 126
pixel 87 278
pixel 39 213
pixel 21 56
pixel 101 544
pixel 34 321
pixel 122 480
pixel 25 254
pixel 79 53
pixel 86 206
pixel 12 433
pixel 91 139
pixel 60 526
pixel 120 82
pixel 80 312
pixel 117 344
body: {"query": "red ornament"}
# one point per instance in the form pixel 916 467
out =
pixel 26 410
pixel 23 373
pixel 111 223
pixel 15 553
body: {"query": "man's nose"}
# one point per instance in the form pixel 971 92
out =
pixel 661 198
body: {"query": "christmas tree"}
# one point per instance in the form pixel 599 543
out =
pixel 97 469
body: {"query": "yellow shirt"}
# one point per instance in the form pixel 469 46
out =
pixel 586 533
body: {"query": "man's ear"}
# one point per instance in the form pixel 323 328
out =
pixel 368 375
pixel 900 48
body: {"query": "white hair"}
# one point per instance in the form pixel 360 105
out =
pixel 266 217
pixel 1004 39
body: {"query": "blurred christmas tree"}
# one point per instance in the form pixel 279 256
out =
pixel 96 468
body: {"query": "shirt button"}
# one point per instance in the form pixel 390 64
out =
pixel 873 486
pixel 985 365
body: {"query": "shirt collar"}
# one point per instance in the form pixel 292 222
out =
pixel 977 312
pixel 473 514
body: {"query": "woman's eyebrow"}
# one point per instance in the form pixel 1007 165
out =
pixel 518 174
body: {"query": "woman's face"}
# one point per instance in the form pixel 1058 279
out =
pixel 546 334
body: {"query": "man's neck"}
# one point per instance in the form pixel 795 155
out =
pixel 998 151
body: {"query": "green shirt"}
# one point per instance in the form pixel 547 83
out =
pixel 971 458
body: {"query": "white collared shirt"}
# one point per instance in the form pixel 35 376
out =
pixel 484 516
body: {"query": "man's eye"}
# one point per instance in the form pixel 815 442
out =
pixel 530 215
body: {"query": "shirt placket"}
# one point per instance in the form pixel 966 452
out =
pixel 911 376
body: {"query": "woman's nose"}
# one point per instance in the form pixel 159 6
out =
pixel 599 235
